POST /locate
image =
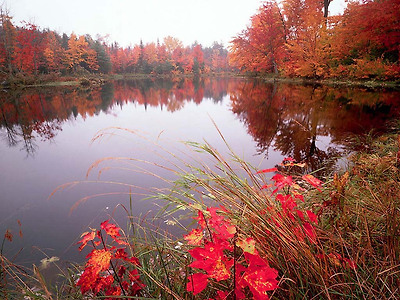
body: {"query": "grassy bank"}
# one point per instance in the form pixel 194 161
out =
pixel 338 82
pixel 349 251
pixel 20 81
pixel 88 79
pixel 286 237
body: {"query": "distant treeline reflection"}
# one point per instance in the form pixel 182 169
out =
pixel 294 119
pixel 28 115
pixel 289 118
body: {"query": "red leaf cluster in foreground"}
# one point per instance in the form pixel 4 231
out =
pixel 227 262
pixel 224 256
pixel 109 271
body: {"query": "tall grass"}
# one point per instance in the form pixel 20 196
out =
pixel 356 254
pixel 353 252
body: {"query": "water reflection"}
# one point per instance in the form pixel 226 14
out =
pixel 308 123
pixel 56 125
pixel 26 116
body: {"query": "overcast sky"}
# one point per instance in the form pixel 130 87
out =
pixel 128 21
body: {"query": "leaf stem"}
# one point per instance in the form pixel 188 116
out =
pixel 112 266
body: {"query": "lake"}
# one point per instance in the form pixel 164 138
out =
pixel 46 141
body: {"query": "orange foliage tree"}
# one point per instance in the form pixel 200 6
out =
pixel 54 54
pixel 79 54
pixel 299 38
pixel 367 39
pixel 307 42
pixel 260 47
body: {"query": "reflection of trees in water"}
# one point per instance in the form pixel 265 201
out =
pixel 18 134
pixel 171 95
pixel 290 118
pixel 32 115
pixel 26 116
pixel 293 118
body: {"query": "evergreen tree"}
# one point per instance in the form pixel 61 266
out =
pixel 103 59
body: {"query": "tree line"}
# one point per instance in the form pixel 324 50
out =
pixel 295 38
pixel 27 49
pixel 298 38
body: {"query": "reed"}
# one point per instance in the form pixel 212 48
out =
pixel 332 239
pixel 355 252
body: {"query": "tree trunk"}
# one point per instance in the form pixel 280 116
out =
pixel 326 6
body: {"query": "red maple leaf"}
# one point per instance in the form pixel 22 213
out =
pixel 103 283
pixel 134 275
pixel 113 291
pixel 281 181
pixel 313 217
pixel 197 283
pixel 220 269
pixel 86 237
pixel 310 232
pixel 225 230
pixel 121 271
pixel 258 276
pixel 298 233
pixel 222 226
pixel 200 219
pixel 315 182
pixel 137 284
pixel 260 281
pixel 267 170
pixel 194 237
pixel 207 255
pixel 215 218
pixel 99 260
pixel 121 254
pixel 211 259
pixel 87 280
pixel 111 229
pixel 300 214
pixel 221 295
pixel 247 245
pixel 287 202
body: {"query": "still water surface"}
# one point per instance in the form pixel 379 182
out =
pixel 46 141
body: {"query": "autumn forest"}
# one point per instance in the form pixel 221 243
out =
pixel 30 50
pixel 299 38
pixel 295 38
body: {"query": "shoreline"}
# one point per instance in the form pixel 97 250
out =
pixel 334 82
pixel 92 80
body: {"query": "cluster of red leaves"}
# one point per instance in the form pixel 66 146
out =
pixel 302 223
pixel 109 270
pixel 287 193
pixel 224 258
